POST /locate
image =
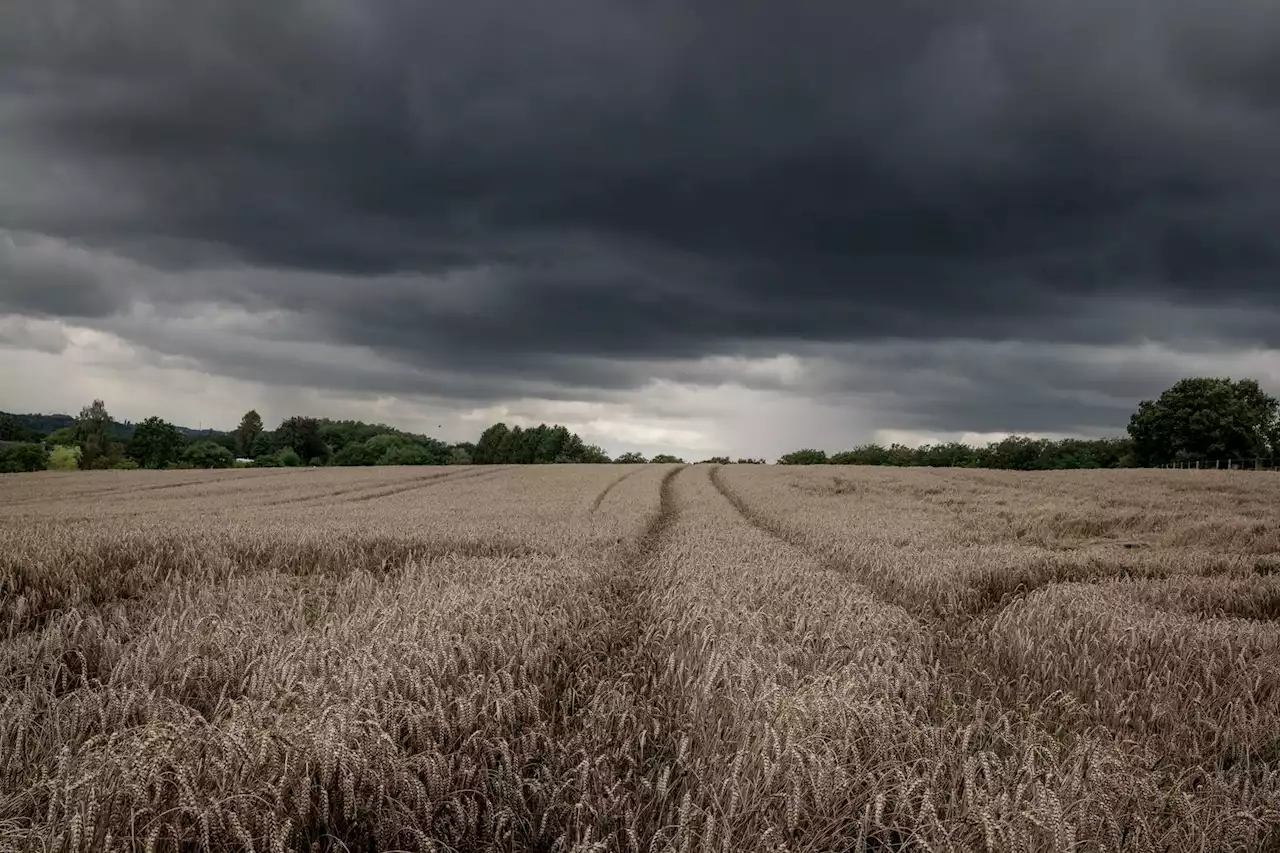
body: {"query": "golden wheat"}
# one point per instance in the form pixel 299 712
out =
pixel 659 658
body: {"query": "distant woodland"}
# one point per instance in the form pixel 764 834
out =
pixel 1197 419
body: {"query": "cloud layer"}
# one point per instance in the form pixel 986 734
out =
pixel 921 216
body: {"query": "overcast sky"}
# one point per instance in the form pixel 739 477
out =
pixel 697 226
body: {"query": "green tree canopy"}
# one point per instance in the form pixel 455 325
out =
pixel 288 458
pixel 12 430
pixel 208 454
pixel 666 459
pixel 93 433
pixel 1015 452
pixel 19 458
pixel 64 437
pixel 248 431
pixel 594 454
pixel 1200 419
pixel 155 443
pixel 632 458
pixel 487 448
pixel 264 444
pixel 808 456
pixel 302 435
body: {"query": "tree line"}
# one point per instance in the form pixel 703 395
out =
pixel 93 440
pixel 1015 453
pixel 1196 420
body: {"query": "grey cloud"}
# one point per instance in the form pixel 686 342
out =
pixel 1012 386
pixel 46 278
pixel 572 197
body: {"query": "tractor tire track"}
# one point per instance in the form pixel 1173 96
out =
pixel 948 630
pixel 129 489
pixel 430 482
pixel 377 488
pixel 619 589
pixel 601 661
pixel 604 493
pixel 994 593
pixel 830 562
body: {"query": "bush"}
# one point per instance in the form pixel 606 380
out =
pixel 124 465
pixel 289 458
pixel 208 454
pixel 405 454
pixel 22 458
pixel 64 458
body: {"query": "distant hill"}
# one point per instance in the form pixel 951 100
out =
pixel 42 425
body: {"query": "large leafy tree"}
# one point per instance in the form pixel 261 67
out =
pixel 155 443
pixel 302 435
pixel 1201 419
pixel 487 448
pixel 263 445
pixel 593 454
pixel 248 431
pixel 65 437
pixel 93 433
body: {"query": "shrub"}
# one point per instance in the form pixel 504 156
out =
pixel 64 458
pixel 208 454
pixel 22 458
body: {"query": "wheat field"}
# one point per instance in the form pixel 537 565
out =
pixel 640 658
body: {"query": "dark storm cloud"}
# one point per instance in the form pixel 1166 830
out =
pixel 511 187
pixel 1004 387
pixel 40 278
